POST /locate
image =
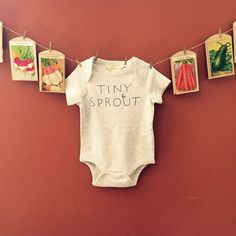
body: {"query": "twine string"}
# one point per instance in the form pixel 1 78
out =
pixel 74 61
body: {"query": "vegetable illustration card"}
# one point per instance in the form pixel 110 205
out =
pixel 23 59
pixel 219 54
pixel 234 36
pixel 51 71
pixel 184 72
pixel 1 39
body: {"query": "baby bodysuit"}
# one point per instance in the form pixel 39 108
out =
pixel 116 104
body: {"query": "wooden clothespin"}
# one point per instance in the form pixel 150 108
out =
pixel 125 61
pixel 150 65
pixel 96 57
pixel 50 47
pixel 184 50
pixel 24 35
pixel 220 32
pixel 78 62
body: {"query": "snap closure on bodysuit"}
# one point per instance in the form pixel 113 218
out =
pixel 113 178
pixel 110 179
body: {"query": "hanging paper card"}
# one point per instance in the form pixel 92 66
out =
pixel 234 36
pixel 51 71
pixel 23 59
pixel 1 39
pixel 219 54
pixel 184 72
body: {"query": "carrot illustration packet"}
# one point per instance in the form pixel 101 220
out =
pixel 184 72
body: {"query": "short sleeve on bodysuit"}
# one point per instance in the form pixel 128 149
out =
pixel 158 84
pixel 74 87
pixel 154 81
pixel 76 82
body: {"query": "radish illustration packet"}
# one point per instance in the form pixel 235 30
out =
pixel 23 59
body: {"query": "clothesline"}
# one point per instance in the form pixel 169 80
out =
pixel 75 61
pixel 193 47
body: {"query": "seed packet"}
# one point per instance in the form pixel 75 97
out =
pixel 51 71
pixel 234 36
pixel 184 72
pixel 23 59
pixel 219 54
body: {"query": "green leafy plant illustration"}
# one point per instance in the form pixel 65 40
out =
pixel 185 61
pixel 47 61
pixel 25 52
pixel 220 59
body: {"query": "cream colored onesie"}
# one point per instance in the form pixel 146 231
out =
pixel 116 117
